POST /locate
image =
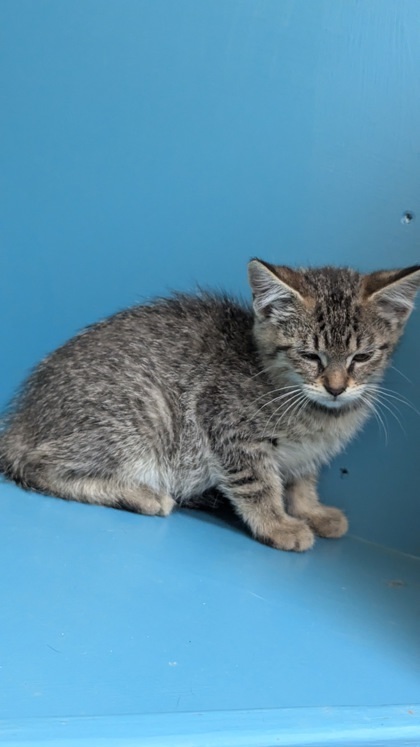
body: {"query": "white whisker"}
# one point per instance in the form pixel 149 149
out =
pixel 401 374
pixel 366 399
pixel 390 394
pixel 300 409
pixel 276 399
pixel 273 391
pixel 295 403
pixel 382 404
pixel 293 398
pixel 263 371
pixel 389 406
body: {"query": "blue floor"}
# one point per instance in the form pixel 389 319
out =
pixel 110 614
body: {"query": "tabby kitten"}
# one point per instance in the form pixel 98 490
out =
pixel 166 401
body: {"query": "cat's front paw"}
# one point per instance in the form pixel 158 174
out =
pixel 328 522
pixel 292 534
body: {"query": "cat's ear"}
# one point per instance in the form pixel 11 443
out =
pixel 277 291
pixel 393 291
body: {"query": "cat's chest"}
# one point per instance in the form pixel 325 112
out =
pixel 300 456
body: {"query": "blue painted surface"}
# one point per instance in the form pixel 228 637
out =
pixel 151 144
pixel 376 727
pixel 148 145
pixel 108 614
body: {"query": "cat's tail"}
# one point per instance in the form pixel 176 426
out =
pixel 13 464
pixel 26 463
pixel 3 457
pixel 6 466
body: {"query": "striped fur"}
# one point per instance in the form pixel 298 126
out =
pixel 168 401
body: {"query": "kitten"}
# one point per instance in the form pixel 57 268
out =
pixel 162 402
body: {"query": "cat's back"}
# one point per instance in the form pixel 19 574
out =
pixel 183 324
pixel 167 343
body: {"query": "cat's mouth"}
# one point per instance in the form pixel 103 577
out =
pixel 345 400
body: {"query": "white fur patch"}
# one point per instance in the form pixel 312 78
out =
pixel 300 458
pixel 321 396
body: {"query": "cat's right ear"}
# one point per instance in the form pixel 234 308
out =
pixel 275 290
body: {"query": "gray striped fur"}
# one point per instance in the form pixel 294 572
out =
pixel 162 403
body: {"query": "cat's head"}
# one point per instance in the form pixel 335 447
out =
pixel 330 330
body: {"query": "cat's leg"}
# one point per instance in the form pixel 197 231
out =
pixel 252 484
pixel 112 492
pixel 49 469
pixel 139 499
pixel 303 503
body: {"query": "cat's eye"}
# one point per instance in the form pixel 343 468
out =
pixel 310 356
pixel 362 357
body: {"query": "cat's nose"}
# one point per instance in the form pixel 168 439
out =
pixel 335 380
pixel 334 390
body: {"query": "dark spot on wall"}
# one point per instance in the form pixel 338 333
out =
pixel 407 217
pixel 343 472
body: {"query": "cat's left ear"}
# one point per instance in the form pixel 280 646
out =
pixel 393 291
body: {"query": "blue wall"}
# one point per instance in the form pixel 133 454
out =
pixel 149 144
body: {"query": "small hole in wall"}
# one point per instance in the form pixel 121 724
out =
pixel 407 217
